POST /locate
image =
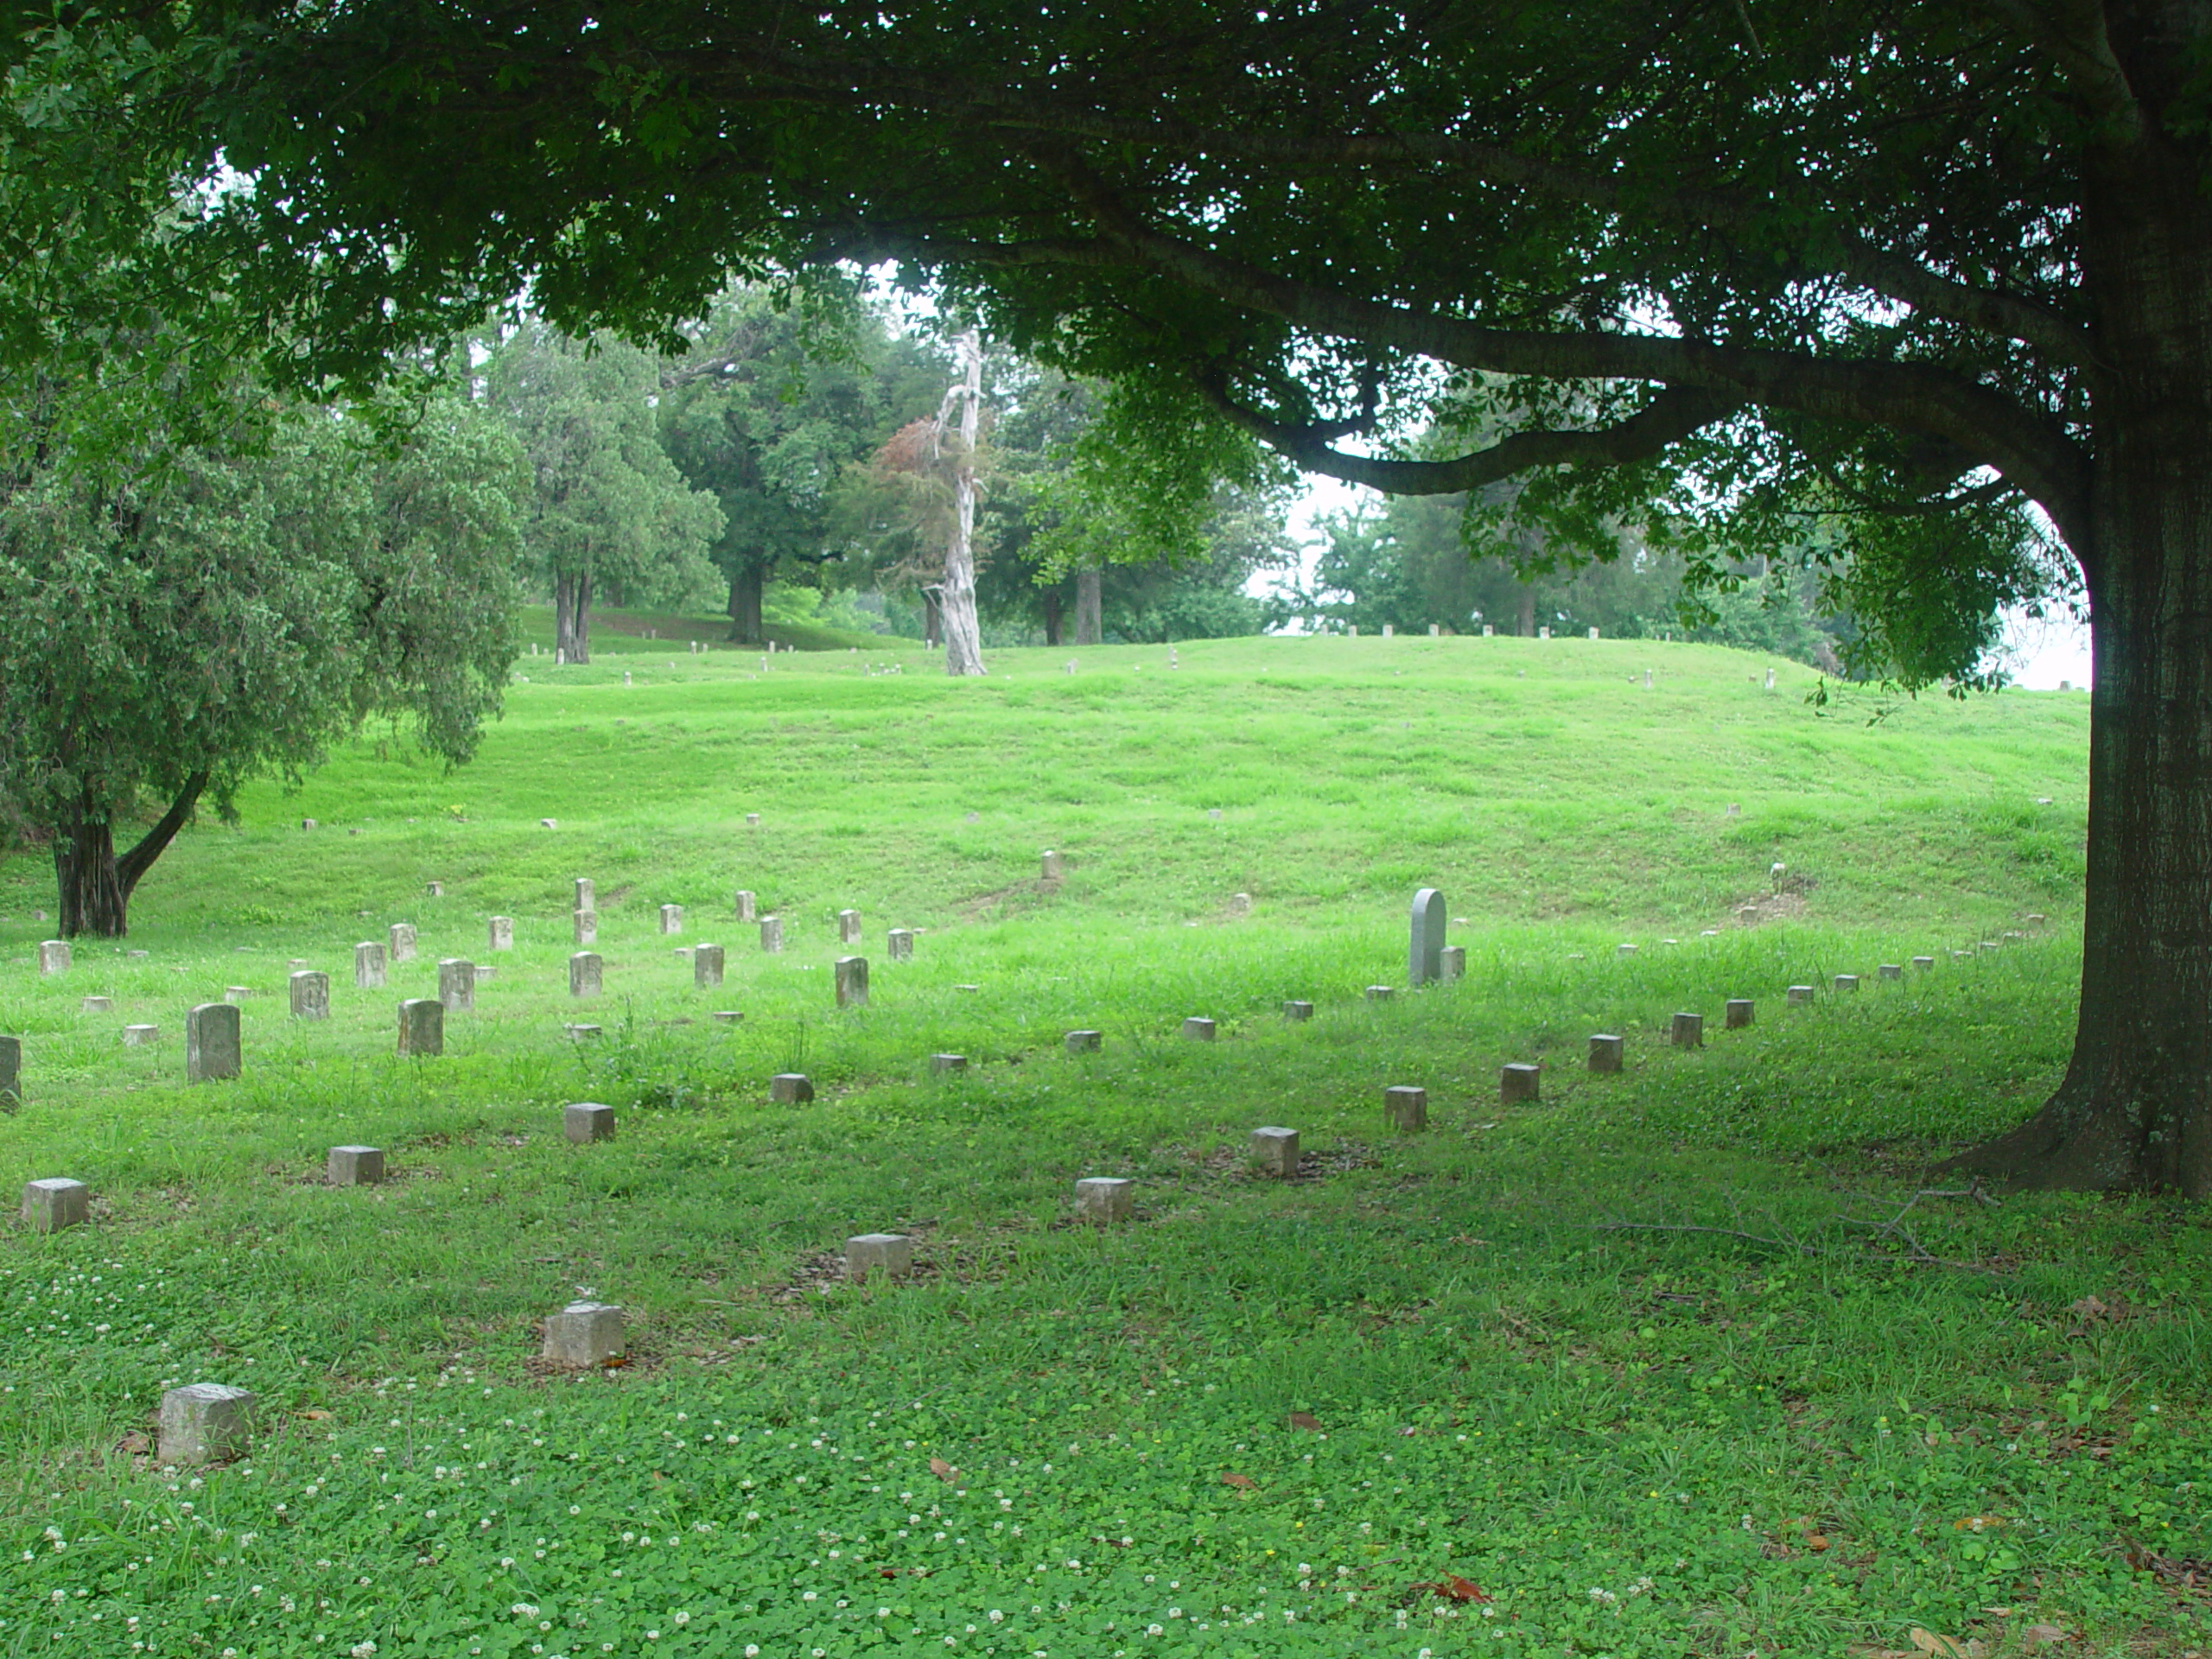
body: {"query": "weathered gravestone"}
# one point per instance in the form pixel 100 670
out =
pixel 947 1065
pixel 11 1069
pixel 586 896
pixel 746 903
pixel 790 1089
pixel 310 996
pixel 1451 963
pixel 402 941
pixel 205 1422
pixel 53 957
pixel 354 1165
pixel 141 1036
pixel 422 1027
pixel 848 927
pixel 1924 963
pixel 1520 1082
pixel 584 1334
pixel 1737 1013
pixel 1605 1052
pixel 1686 1031
pixel 1198 1029
pixel 585 923
pixel 586 971
pixel 902 943
pixel 1049 865
pixel 55 1201
pixel 891 1255
pixel 585 1121
pixel 1084 1042
pixel 1892 970
pixel 672 918
pixel 771 934
pixel 457 984
pixel 1424 953
pixel 211 1043
pixel 1847 982
pixel 1296 1010
pixel 1275 1150
pixel 368 966
pixel 1406 1106
pixel 706 965
pixel 1800 995
pixel 852 981
pixel 1380 992
pixel 1104 1199
pixel 97 1004
pixel 502 932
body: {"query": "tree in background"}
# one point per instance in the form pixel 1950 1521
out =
pixel 768 410
pixel 607 507
pixel 194 614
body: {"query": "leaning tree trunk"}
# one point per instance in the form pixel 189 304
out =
pixel 963 634
pixel 2135 1109
pixel 94 886
pixel 1089 608
pixel 747 583
pixel 572 616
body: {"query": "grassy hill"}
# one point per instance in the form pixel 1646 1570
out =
pixel 1675 1361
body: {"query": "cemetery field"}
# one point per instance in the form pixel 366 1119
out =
pixel 1696 1358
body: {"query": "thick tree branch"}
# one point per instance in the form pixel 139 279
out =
pixel 1835 250
pixel 134 864
pixel 2026 446
pixel 1673 415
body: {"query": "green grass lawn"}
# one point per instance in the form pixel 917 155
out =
pixel 1671 1362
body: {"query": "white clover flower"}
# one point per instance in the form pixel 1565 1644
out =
pixel 523 1610
pixel 683 1618
pixel 994 1615
pixel 363 1649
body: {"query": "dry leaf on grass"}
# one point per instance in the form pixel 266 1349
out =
pixel 1947 1647
pixel 1306 1420
pixel 2044 1635
pixel 1241 1483
pixel 943 1470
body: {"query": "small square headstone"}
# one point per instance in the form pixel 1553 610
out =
pixel 584 1334
pixel 945 1066
pixel 502 932
pixel 1892 970
pixel 1198 1029
pixel 1240 904
pixel 1800 995
pixel 1406 1106
pixel 1104 1199
pixel 1451 963
pixel 586 971
pixel 902 943
pixel 584 926
pixel 1686 1031
pixel 1380 992
pixel 55 1201
pixel 771 934
pixel 354 1165
pixel 852 981
pixel 581 1034
pixel 422 1027
pixel 1520 1082
pixel 402 942
pixel 205 1422
pixel 1737 1013
pixel 1084 1042
pixel 1295 1010
pixel 211 1043
pixel 672 918
pixel 706 965
pixel 1924 963
pixel 888 1255
pixel 1847 982
pixel 133 1037
pixel 53 957
pixel 457 984
pixel 753 818
pixel 848 927
pixel 790 1089
pixel 368 966
pixel 747 906
pixel 1050 866
pixel 725 1016
pixel 435 889
pixel 587 896
pixel 97 1004
pixel 1624 950
pixel 586 1120
pixel 1275 1150
pixel 310 996
pixel 1605 1052
pixel 237 992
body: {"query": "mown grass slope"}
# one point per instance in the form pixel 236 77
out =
pixel 1675 1361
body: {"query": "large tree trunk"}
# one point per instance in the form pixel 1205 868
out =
pixel 1089 608
pixel 747 583
pixel 94 886
pixel 572 616
pixel 2135 1109
pixel 1048 601
pixel 1525 624
pixel 963 634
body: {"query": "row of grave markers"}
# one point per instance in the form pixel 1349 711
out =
pixel 205 1422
